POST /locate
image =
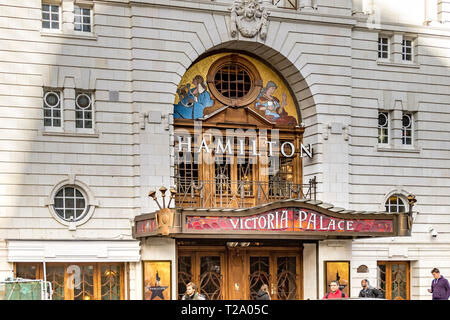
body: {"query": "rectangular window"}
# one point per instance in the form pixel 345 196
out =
pixel 383 127
pixel 82 19
pixel 83 110
pixel 407 50
pixel 50 16
pixel 407 128
pixel 52 108
pixel 78 281
pixel 383 48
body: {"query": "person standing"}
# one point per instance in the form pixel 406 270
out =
pixel 263 293
pixel 440 287
pixel 191 293
pixel 335 293
pixel 368 291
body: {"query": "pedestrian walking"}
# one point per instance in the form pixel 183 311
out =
pixel 440 287
pixel 191 293
pixel 368 291
pixel 335 293
pixel 263 293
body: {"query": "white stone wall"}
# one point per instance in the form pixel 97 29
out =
pixel 328 57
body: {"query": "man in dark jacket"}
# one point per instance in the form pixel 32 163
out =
pixel 368 291
pixel 440 287
pixel 263 293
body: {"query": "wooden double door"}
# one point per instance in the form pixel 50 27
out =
pixel 223 273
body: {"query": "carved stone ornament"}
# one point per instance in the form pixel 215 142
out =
pixel 250 17
pixel 362 269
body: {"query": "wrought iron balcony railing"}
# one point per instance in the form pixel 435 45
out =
pixel 224 193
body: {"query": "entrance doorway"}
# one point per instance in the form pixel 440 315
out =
pixel 237 273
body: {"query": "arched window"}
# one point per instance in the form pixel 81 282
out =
pixel 395 204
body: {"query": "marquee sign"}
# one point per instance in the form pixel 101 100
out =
pixel 147 226
pixel 286 220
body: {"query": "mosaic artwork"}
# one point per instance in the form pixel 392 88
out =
pixel 194 99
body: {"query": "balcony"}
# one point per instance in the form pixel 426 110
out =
pixel 223 193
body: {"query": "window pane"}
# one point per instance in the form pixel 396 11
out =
pixel 55 25
pixel 69 203
pixel 110 282
pixel 55 274
pixel 84 283
pixel 26 271
pixel 55 8
pixel 80 203
pixel 57 123
pixel 87 28
pixel 46 24
pixel 45 16
pixel 59 203
pixel 45 7
pixel 69 192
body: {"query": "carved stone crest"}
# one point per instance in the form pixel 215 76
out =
pixel 250 17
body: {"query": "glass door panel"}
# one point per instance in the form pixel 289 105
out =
pixel 185 274
pixel 259 274
pixel 83 286
pixel 286 278
pixel 55 274
pixel 393 279
pixel 210 280
pixel 110 278
pixel 399 282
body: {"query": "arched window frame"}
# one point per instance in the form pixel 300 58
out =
pixel 398 192
pixel 255 79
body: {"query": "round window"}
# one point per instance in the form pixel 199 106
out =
pixel 382 119
pixel 83 101
pixel 234 81
pixel 406 120
pixel 51 99
pixel 70 204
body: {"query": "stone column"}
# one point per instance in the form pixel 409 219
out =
pixel 307 5
pixel 431 12
pixel 357 7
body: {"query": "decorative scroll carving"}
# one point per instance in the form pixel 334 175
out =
pixel 250 17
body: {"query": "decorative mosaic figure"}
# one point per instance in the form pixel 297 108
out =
pixel 270 105
pixel 193 101
pixel 249 17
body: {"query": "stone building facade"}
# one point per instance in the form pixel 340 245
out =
pixel 111 70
